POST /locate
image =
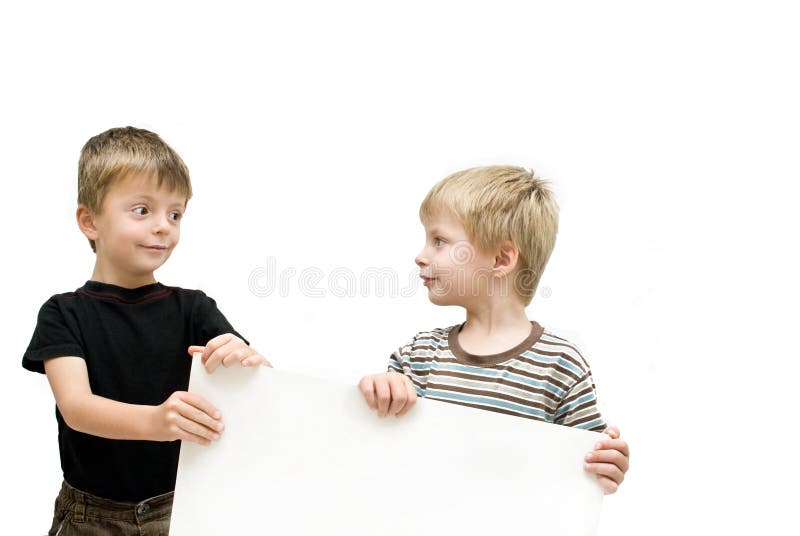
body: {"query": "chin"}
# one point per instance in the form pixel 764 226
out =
pixel 440 299
pixel 145 269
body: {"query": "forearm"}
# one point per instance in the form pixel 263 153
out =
pixel 103 417
pixel 183 415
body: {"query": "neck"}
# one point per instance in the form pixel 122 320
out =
pixel 125 280
pixel 494 327
pixel 496 318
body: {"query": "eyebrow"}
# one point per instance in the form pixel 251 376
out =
pixel 150 198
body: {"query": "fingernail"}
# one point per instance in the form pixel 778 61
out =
pixel 588 457
pixel 598 446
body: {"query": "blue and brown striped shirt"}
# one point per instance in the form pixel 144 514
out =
pixel 544 378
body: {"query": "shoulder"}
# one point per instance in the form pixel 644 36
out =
pixel 64 297
pixel 431 339
pixel 426 343
pixel 58 302
pixel 185 291
pixel 564 352
pixel 189 295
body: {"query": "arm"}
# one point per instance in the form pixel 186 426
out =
pixel 609 460
pixel 227 350
pixel 182 416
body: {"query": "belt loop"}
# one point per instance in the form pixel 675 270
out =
pixel 79 508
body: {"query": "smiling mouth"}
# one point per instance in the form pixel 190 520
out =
pixel 155 248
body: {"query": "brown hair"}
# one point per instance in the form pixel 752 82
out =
pixel 119 152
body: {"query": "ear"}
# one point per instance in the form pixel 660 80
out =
pixel 505 259
pixel 86 222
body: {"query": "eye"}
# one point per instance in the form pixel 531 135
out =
pixel 438 241
pixel 175 216
pixel 140 211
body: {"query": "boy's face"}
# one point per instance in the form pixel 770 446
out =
pixel 136 230
pixel 451 267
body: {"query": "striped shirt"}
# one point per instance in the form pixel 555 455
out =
pixel 544 377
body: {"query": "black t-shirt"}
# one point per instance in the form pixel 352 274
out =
pixel 134 342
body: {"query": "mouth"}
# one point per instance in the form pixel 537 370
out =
pixel 427 281
pixel 155 248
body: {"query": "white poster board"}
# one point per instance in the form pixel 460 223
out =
pixel 303 456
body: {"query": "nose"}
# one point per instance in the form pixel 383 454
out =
pixel 160 224
pixel 421 259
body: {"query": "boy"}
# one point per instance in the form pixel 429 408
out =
pixel 489 233
pixel 114 350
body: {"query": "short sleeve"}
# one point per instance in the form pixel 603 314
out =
pixel 53 336
pixel 579 407
pixel 209 322
pixel 398 361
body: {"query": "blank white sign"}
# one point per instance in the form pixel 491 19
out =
pixel 304 456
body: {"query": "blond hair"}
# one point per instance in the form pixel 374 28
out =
pixel 120 152
pixel 496 204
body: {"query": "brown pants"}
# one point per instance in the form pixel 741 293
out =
pixel 80 513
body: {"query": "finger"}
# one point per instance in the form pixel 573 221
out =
pixel 608 470
pixel 214 344
pixel 256 359
pixel 234 354
pixel 383 395
pixel 612 432
pixel 187 411
pixel 194 349
pixel 608 485
pixel 367 386
pixel 609 456
pixel 218 355
pixel 183 435
pixel 411 397
pixel 193 428
pixel 399 395
pixel 200 403
pixel 613 444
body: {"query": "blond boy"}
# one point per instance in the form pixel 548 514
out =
pixel 114 350
pixel 489 232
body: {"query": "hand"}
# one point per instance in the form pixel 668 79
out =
pixel 390 393
pixel 188 417
pixel 609 460
pixel 228 350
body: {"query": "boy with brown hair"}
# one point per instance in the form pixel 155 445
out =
pixel 114 350
pixel 489 232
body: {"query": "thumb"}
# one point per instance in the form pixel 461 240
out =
pixel 194 349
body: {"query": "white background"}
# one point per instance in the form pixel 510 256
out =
pixel 312 133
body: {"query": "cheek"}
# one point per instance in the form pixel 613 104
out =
pixel 443 257
pixel 439 264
